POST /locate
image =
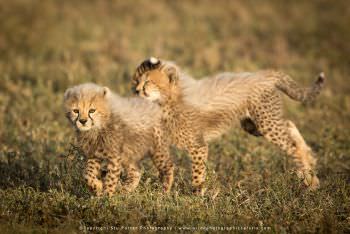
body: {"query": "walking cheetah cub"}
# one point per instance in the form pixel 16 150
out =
pixel 118 131
pixel 196 111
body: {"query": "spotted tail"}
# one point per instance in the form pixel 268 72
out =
pixel 287 85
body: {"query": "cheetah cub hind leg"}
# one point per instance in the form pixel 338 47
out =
pixel 305 153
pixel 283 133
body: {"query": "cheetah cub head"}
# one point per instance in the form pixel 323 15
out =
pixel 155 80
pixel 86 106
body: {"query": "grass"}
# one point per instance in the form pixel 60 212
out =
pixel 47 46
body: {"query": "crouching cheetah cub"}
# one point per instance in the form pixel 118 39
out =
pixel 196 111
pixel 117 131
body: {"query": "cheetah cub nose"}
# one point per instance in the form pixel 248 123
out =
pixel 83 121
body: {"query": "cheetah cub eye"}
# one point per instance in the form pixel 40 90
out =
pixel 91 111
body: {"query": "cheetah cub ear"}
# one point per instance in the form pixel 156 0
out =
pixel 106 92
pixel 172 73
pixel 67 94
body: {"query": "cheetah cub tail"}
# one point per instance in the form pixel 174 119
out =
pixel 305 95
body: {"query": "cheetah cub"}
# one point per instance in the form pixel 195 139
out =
pixel 196 111
pixel 117 131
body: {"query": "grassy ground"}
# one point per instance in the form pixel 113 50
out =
pixel 47 46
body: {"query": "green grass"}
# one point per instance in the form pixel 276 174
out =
pixel 47 46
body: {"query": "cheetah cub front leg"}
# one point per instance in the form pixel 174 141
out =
pixel 162 160
pixel 166 169
pixel 133 176
pixel 112 176
pixel 91 175
pixel 199 155
pixel 110 182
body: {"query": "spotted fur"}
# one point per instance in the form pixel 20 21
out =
pixel 197 111
pixel 119 131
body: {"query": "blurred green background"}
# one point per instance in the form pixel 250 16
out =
pixel 47 46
